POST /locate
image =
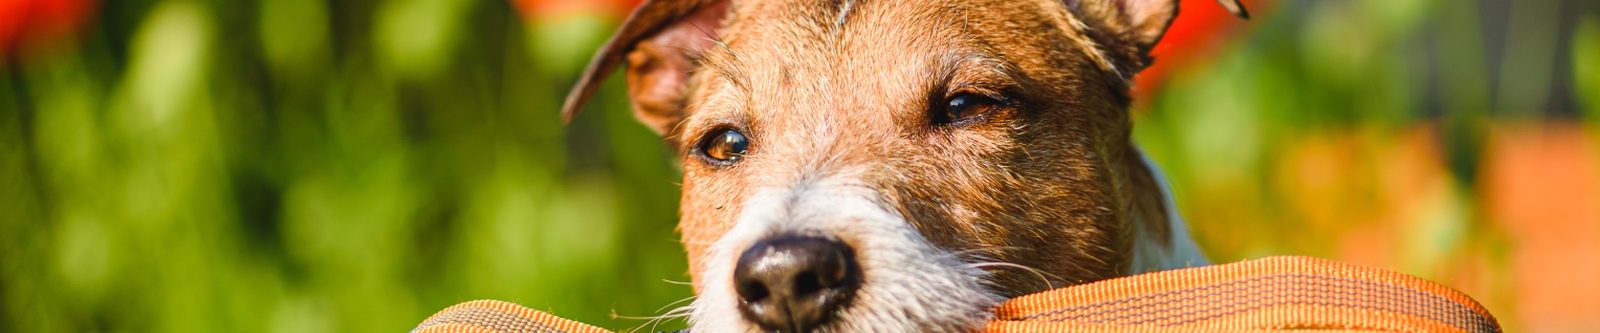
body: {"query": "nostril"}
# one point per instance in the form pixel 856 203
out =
pixel 829 272
pixel 753 291
pixel 807 283
pixel 834 270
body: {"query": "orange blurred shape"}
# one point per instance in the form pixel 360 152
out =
pixel 1393 182
pixel 1201 27
pixel 1541 186
pixel 31 23
pixel 553 9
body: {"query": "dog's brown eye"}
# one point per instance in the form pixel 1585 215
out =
pixel 724 146
pixel 962 108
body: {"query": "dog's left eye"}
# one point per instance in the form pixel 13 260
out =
pixel 724 146
pixel 962 108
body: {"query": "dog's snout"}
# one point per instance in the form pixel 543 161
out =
pixel 795 283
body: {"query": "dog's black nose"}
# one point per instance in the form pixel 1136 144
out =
pixel 795 283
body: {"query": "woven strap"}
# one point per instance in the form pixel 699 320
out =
pixel 490 316
pixel 1278 293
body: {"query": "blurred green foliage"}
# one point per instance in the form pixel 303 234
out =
pixel 301 166
pixel 353 166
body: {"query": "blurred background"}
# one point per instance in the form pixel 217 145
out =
pixel 356 165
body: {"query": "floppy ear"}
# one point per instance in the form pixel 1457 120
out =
pixel 660 42
pixel 1141 22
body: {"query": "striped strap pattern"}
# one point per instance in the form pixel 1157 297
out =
pixel 1278 293
pixel 490 316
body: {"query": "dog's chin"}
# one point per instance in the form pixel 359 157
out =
pixel 908 284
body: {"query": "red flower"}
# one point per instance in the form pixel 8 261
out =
pixel 26 23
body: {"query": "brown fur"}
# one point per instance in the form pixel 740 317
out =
pixel 1050 182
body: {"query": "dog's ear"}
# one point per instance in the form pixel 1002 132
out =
pixel 660 42
pixel 1142 22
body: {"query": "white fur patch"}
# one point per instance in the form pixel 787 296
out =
pixel 908 284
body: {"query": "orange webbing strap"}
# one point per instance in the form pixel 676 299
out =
pixel 490 316
pixel 1278 293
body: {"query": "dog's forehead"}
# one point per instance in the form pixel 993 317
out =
pixel 872 54
pixel 845 29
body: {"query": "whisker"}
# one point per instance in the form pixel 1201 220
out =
pixel 969 252
pixel 664 307
pixel 988 250
pixel 655 321
pixel 1036 272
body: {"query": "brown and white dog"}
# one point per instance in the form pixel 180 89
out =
pixel 898 165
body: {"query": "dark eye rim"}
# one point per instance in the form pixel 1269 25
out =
pixel 937 108
pixel 699 148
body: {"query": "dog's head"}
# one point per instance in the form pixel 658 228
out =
pixel 891 165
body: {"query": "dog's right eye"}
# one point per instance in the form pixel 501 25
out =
pixel 963 108
pixel 724 146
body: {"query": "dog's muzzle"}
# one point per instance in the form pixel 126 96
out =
pixel 827 256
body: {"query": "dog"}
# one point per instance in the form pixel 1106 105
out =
pixel 898 166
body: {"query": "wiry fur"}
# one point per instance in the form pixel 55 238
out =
pixel 1043 191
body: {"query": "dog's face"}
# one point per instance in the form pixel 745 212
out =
pixel 891 165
